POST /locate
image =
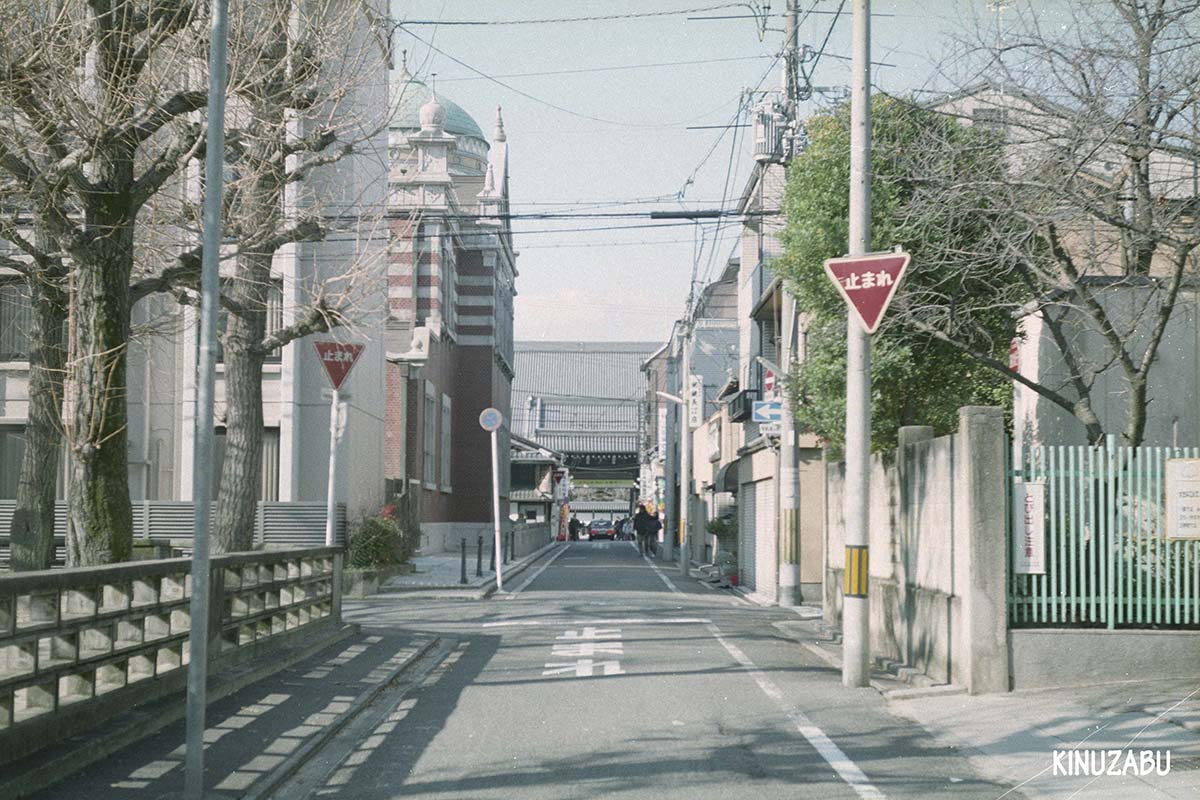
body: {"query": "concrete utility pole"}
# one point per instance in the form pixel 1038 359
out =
pixel 789 473
pixel 214 168
pixel 855 605
pixel 685 450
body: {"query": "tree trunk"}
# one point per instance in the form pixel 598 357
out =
pixel 33 517
pixel 1135 424
pixel 100 529
pixel 241 473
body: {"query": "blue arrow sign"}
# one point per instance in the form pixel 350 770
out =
pixel 767 411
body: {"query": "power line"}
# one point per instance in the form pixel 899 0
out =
pixel 557 20
pixel 547 103
pixel 604 69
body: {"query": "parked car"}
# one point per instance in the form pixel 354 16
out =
pixel 601 529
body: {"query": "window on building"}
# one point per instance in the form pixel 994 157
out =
pixel 274 323
pixel 12 449
pixel 16 318
pixel 447 442
pixel 268 490
pixel 429 448
pixel 994 119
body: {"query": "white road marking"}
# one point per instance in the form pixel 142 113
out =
pixel 623 621
pixel 537 572
pixel 660 574
pixel 584 668
pixel 588 649
pixel 846 769
pixel 592 633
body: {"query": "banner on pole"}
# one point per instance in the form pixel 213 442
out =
pixel 1029 528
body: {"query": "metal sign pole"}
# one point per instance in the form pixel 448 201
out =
pixel 330 498
pixel 490 419
pixel 855 605
pixel 685 455
pixel 214 166
pixel 496 510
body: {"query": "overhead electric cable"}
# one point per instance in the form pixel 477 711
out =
pixel 604 69
pixel 547 103
pixel 557 20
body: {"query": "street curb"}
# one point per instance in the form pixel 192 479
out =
pixel 518 568
pixel 459 592
pixel 53 772
pixel 940 690
pixel 288 767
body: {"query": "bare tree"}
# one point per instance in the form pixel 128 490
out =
pixel 44 275
pixel 297 78
pixel 96 122
pixel 1094 219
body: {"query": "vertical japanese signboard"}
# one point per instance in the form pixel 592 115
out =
pixel 1029 528
pixel 1183 498
pixel 695 401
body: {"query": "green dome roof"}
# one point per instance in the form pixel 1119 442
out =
pixel 411 94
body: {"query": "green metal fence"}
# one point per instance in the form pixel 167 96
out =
pixel 1107 560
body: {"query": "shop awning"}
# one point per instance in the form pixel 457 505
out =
pixel 726 478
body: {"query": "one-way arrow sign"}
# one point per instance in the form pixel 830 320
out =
pixel 867 283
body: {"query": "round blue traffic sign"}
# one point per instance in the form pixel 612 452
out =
pixel 491 419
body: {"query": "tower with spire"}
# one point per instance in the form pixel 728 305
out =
pixel 451 282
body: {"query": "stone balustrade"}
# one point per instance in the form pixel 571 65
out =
pixel 79 645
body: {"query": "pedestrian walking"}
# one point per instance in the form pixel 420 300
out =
pixel 643 528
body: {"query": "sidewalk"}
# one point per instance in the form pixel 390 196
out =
pixel 1013 737
pixel 253 733
pixel 439 576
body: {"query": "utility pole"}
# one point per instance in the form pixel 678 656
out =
pixel 789 473
pixel 788 542
pixel 685 447
pixel 214 168
pixel 855 604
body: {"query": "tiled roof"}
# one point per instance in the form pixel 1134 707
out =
pixel 588 370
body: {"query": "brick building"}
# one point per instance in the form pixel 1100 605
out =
pixel 451 281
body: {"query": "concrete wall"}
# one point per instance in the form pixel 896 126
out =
pixel 1049 658
pixel 937 552
pixel 446 537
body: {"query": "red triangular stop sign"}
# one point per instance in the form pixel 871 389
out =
pixel 338 358
pixel 867 283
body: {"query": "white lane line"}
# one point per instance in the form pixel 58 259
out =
pixel 833 755
pixel 539 571
pixel 660 574
pixel 634 621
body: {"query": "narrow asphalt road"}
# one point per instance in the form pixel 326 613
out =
pixel 604 675
pixel 597 675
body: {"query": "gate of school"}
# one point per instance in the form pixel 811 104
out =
pixel 1089 545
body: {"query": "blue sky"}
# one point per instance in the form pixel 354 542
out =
pixel 592 127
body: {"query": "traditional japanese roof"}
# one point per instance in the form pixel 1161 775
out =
pixel 586 371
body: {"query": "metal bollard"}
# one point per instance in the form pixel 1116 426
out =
pixel 492 560
pixel 463 577
pixel 479 558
